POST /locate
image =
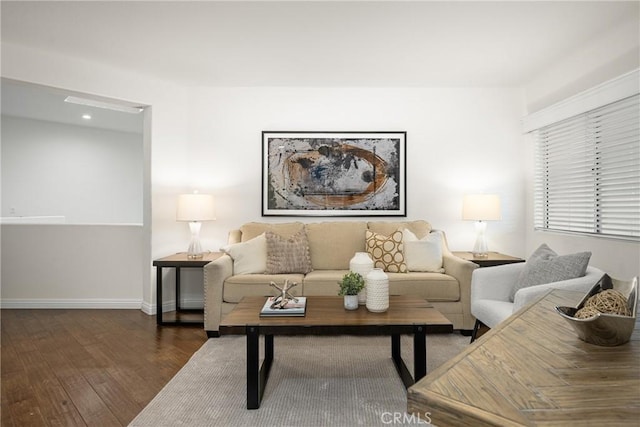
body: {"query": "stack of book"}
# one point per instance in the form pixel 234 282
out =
pixel 293 308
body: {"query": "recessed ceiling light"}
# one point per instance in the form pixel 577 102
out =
pixel 86 116
pixel 102 104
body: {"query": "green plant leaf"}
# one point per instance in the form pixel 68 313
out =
pixel 351 284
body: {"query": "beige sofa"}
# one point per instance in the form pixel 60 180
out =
pixel 332 244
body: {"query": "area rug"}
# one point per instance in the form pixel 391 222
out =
pixel 314 381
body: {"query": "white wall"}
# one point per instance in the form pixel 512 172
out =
pixel 87 175
pixel 459 140
pixel 71 266
pixel 611 55
pixel 164 172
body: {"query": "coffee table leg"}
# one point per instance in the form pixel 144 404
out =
pixel 266 364
pixel 253 367
pixel 396 355
pixel 419 352
pixel 257 375
pixel 268 349
pixel 396 349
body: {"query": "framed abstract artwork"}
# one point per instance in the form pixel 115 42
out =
pixel 334 173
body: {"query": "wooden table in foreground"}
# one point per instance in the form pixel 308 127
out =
pixel 534 370
pixel 326 316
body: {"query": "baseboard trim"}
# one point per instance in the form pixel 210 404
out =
pixel 189 304
pixel 147 308
pixel 134 304
pixel 114 304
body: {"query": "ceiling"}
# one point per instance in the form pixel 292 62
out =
pixel 44 103
pixel 322 43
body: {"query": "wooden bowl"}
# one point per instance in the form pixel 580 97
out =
pixel 605 329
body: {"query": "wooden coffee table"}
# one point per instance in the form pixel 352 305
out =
pixel 327 316
pixel 532 369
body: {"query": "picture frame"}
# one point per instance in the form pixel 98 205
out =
pixel 331 173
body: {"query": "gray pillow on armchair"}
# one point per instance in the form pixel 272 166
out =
pixel 546 266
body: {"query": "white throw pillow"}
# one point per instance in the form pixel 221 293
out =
pixel 423 254
pixel 249 257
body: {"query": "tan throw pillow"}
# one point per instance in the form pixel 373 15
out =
pixel 386 251
pixel 290 255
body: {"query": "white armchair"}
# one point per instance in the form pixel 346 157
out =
pixel 491 288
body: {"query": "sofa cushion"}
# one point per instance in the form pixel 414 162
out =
pixel 323 282
pixel 257 285
pixel 248 257
pixel 546 266
pixel 386 251
pixel 333 244
pixel 288 255
pixel 420 228
pixel 423 254
pixel 430 286
pixel 285 229
pixel 434 287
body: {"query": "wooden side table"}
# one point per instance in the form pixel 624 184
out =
pixel 179 261
pixel 491 260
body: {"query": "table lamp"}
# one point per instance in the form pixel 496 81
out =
pixel 195 208
pixel 481 208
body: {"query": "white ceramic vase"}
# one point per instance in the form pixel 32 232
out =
pixel 377 283
pixel 351 302
pixel 361 263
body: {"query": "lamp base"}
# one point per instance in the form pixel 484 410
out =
pixel 480 249
pixel 195 249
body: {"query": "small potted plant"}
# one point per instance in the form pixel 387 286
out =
pixel 350 285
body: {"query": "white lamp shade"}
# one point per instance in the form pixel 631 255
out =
pixel 195 207
pixel 481 207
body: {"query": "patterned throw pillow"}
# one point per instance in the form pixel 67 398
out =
pixel 546 266
pixel 285 256
pixel 386 251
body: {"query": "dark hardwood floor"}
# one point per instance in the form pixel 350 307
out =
pixel 86 367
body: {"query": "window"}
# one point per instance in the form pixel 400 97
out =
pixel 587 172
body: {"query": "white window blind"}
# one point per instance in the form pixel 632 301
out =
pixel 587 172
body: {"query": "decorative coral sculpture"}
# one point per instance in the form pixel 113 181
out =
pixel 281 301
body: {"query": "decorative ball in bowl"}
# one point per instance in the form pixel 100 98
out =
pixel 606 316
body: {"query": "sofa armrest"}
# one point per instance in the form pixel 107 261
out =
pixel 462 270
pixel 495 283
pixel 532 293
pixel 215 273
